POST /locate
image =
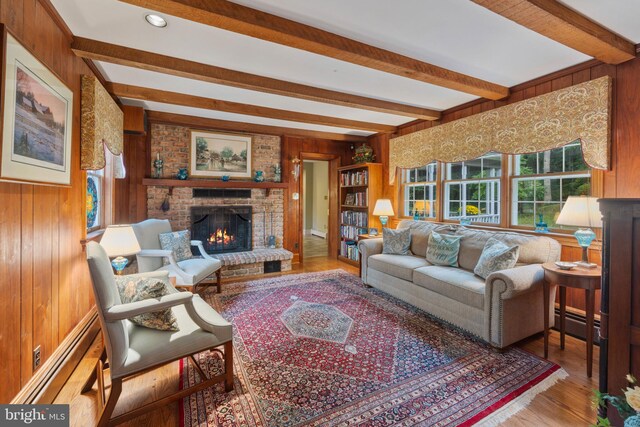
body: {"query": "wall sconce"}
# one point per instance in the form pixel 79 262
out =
pixel 296 168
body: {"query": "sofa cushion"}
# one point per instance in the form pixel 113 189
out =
pixel 179 242
pixel 396 242
pixel 496 256
pixel 454 283
pixel 400 266
pixel 533 249
pixel 443 249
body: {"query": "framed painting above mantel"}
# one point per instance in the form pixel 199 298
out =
pixel 220 154
pixel 37 118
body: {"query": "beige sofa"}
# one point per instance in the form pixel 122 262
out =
pixel 503 309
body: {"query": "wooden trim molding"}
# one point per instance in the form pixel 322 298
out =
pixel 49 379
pixel 122 55
pixel 275 29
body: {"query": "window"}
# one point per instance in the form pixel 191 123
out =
pixel 420 191
pixel 472 189
pixel 543 181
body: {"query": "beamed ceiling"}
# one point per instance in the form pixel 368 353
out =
pixel 351 68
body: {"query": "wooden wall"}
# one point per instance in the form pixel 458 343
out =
pixel 130 196
pixel 297 147
pixel 44 282
pixel 623 180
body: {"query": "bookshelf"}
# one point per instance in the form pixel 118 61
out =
pixel 360 187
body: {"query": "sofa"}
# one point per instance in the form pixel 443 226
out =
pixel 501 310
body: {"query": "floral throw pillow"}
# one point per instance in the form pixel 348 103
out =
pixel 178 242
pixel 496 256
pixel 132 289
pixel 443 249
pixel 396 242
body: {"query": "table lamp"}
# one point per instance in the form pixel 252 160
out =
pixel 384 210
pixel 119 241
pixel 582 212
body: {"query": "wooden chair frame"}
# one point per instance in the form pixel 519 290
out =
pixel 107 405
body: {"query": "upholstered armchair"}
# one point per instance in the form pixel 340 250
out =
pixel 132 349
pixel 187 273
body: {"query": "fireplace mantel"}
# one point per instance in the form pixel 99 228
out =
pixel 206 183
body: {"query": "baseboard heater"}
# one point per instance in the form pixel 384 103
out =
pixel 576 326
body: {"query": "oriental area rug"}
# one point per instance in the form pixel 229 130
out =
pixel 322 349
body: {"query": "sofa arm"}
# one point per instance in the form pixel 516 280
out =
pixel 368 247
pixel 515 281
pixel 514 304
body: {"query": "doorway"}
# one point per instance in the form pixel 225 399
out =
pixel 315 208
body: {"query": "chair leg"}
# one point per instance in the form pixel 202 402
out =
pixel 116 389
pixel 228 366
pixel 94 373
pixel 218 279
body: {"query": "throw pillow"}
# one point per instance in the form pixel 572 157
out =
pixel 179 242
pixel 138 289
pixel 396 242
pixel 443 249
pixel 496 256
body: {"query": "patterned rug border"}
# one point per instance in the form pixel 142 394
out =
pixel 494 415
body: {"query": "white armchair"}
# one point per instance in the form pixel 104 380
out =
pixel 132 349
pixel 187 273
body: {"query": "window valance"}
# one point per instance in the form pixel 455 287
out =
pixel 580 112
pixel 102 126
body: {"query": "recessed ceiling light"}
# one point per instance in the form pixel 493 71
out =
pixel 155 20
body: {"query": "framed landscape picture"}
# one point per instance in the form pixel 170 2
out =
pixel 37 117
pixel 220 154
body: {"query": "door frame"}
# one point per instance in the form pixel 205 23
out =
pixel 332 233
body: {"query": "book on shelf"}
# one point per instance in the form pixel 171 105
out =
pixel 349 249
pixel 354 178
pixel 351 232
pixel 357 199
pixel 357 218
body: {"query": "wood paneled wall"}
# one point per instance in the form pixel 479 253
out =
pixel 623 180
pixel 130 196
pixel 44 282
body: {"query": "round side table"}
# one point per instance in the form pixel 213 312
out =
pixel 579 278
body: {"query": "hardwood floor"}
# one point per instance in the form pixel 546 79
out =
pixel 314 246
pixel 568 403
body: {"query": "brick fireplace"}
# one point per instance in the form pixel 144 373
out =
pixel 266 211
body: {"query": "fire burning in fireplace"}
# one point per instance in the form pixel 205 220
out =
pixel 221 237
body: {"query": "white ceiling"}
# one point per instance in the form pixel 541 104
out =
pixel 455 34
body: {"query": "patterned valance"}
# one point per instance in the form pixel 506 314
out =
pixel 101 127
pixel 580 112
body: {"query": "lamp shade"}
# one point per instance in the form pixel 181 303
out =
pixel 580 211
pixel 383 208
pixel 120 240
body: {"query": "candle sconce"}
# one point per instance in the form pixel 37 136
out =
pixel 295 171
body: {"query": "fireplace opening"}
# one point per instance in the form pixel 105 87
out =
pixel 222 228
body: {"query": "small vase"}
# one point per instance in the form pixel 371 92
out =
pixel 225 178
pixel 259 176
pixel 182 174
pixel 541 226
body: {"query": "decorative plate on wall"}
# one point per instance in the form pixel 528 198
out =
pixel 93 201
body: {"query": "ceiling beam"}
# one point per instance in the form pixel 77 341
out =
pixel 564 25
pixel 265 26
pixel 100 51
pixel 206 123
pixel 174 98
